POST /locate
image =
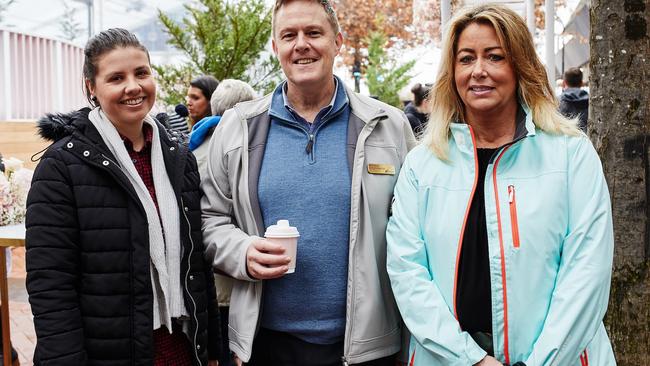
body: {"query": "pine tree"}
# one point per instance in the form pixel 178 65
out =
pixel 221 38
pixel 69 27
pixel 385 78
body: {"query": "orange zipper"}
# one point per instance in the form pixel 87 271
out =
pixel 506 340
pixel 514 223
pixel 584 358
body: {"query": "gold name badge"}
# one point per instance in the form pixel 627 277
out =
pixel 384 169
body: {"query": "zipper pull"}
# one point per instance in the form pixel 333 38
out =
pixel 511 194
pixel 310 144
pixel 345 361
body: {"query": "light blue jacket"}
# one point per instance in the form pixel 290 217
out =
pixel 550 237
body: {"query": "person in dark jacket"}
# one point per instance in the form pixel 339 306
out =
pixel 115 268
pixel 574 102
pixel 417 111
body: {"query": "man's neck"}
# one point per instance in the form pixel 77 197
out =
pixel 307 103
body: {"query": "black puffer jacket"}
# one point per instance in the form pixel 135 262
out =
pixel 88 273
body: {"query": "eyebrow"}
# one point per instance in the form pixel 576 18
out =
pixel 486 49
pixel 121 72
pixel 295 28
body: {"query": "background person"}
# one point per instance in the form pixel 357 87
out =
pixel 417 111
pixel 198 98
pixel 177 118
pixel 497 253
pixel 325 158
pixel 225 96
pixel 574 101
pixel 115 269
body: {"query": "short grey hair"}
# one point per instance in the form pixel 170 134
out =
pixel 228 93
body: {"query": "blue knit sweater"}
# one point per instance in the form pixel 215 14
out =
pixel 307 181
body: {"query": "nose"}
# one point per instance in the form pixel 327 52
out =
pixel 132 86
pixel 478 70
pixel 302 44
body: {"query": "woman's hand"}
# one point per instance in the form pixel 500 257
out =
pixel 489 361
pixel 213 363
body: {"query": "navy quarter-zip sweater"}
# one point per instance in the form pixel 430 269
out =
pixel 305 178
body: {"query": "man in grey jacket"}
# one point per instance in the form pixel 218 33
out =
pixel 325 158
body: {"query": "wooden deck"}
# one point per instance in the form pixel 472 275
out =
pixel 19 139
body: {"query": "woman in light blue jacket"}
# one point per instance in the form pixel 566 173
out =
pixel 500 245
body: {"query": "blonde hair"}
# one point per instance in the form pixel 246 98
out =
pixel 533 87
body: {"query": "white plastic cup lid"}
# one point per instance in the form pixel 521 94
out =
pixel 281 230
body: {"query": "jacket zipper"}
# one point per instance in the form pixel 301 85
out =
pixel 462 230
pixel 370 126
pixel 506 345
pixel 187 287
pixel 182 209
pixel 310 145
pixel 514 222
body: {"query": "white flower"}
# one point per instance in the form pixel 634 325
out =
pixel 12 165
pixel 14 186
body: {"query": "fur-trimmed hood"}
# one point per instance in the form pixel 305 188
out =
pixel 54 126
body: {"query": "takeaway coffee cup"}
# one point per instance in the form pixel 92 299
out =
pixel 287 236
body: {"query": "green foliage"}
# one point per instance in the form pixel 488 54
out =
pixel 173 82
pixel 222 38
pixel 383 75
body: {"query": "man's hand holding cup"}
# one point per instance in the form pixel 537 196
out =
pixel 275 255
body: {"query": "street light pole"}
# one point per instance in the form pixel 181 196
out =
pixel 445 14
pixel 550 34
pixel 90 4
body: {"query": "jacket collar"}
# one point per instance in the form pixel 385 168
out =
pixel 367 109
pixel 525 128
pixel 282 109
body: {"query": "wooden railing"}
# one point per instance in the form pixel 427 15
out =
pixel 20 139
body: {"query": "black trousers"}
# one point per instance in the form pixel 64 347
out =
pixel 225 358
pixel 272 348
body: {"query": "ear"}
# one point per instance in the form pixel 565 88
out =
pixel 89 86
pixel 339 42
pixel 274 46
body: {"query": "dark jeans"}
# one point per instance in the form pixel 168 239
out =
pixel 272 348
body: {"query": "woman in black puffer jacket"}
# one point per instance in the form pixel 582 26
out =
pixel 115 268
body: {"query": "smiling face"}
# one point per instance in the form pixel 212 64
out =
pixel 197 104
pixel 124 85
pixel 485 80
pixel 305 43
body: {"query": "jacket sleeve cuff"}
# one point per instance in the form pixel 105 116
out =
pixel 474 354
